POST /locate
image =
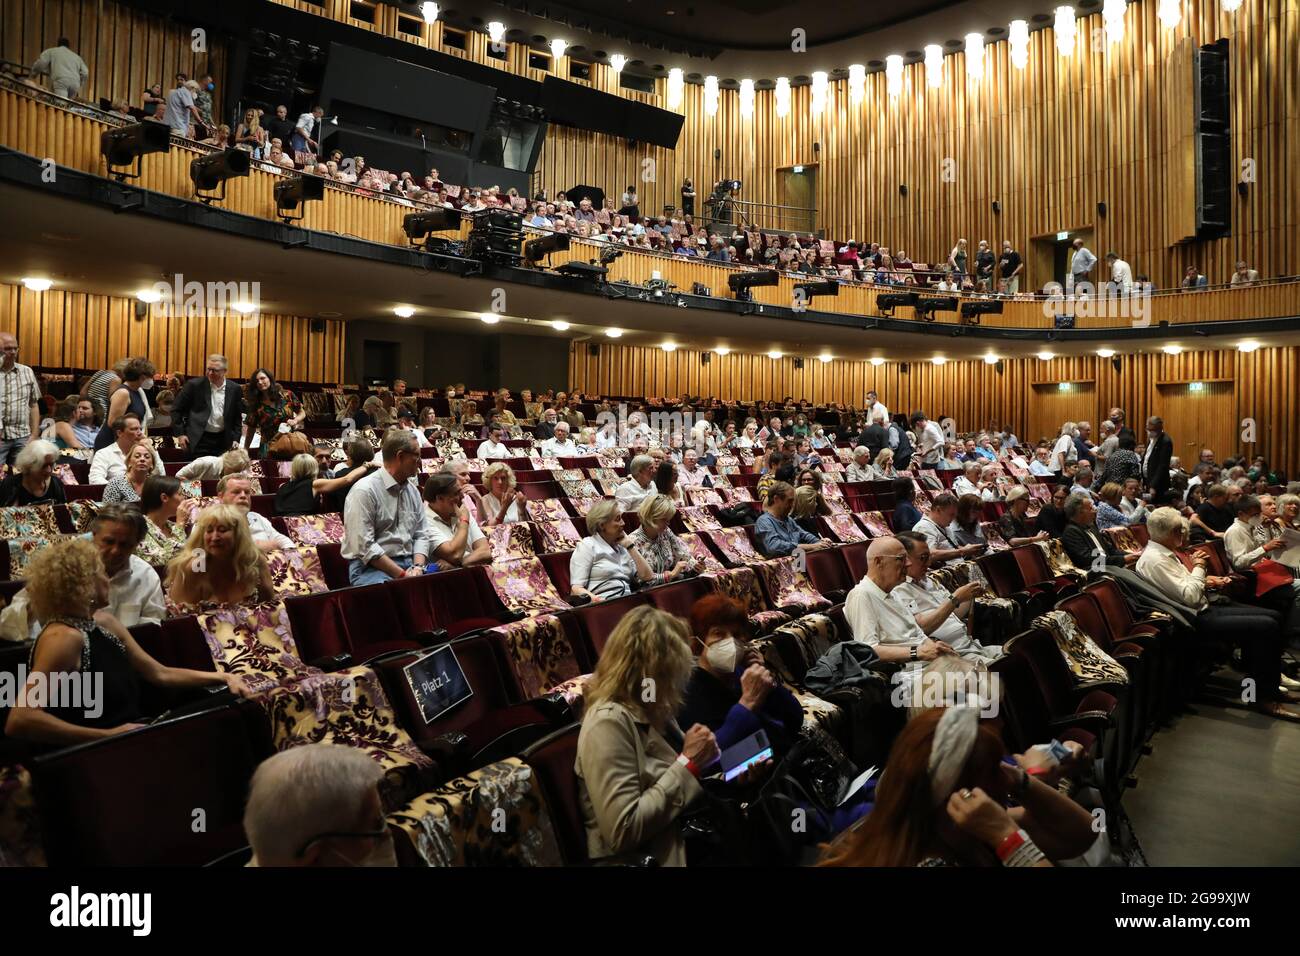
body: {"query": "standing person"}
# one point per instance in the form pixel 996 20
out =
pixel 66 70
pixel 386 527
pixel 20 401
pixel 957 259
pixel 271 410
pixel 688 197
pixel 984 263
pixel 137 378
pixel 1010 268
pixel 1155 464
pixel 306 132
pixel 1081 264
pixel 929 439
pixel 203 102
pixel 209 412
pixel 630 207
pixel 181 111
pixel 1121 273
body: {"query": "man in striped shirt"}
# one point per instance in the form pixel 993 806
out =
pixel 20 401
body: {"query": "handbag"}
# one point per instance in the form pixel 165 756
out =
pixel 283 447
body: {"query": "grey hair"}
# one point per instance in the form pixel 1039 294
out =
pixel 34 454
pixel 302 793
pixel 218 357
pixel 1164 521
pixel 303 465
pixel 860 451
pixel 601 513
pixel 1016 493
pixel 397 440
pixel 1074 503
pixel 639 464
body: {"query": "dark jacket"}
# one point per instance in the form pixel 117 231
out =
pixel 194 405
pixel 1157 468
pixel 874 437
pixel 1079 546
pixel 715 703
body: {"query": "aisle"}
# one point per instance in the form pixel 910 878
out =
pixel 1222 788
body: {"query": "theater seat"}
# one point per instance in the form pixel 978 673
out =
pixel 829 573
pixel 598 620
pixel 552 759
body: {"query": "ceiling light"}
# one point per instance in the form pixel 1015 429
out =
pixel 560 325
pixel 774 354
pixel 149 296
pixel 1046 356
pixel 746 98
pixel 1170 12
pixel 939 360
pixel 614 333
pixel 1172 350
pixel 711 95
pixel 1106 353
pixel 496 31
pixel 669 346
pixel 244 308
pixel 857 82
pixel 722 350
pixel 1230 6
pixel 974 55
pixel 430 12
pixel 403 311
pixel 1248 345
pixel 1112 16
pixel 819 86
pixel 1018 40
pixel 934 65
pixel 991 359
pixel 894 74
pixel 487 318
pixel 782 96
pixel 36 284
pixel 618 61
pixel 877 362
pixel 825 358
pixel 1064 28
pixel 558 47
pixel 676 87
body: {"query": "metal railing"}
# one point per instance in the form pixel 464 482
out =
pixel 764 216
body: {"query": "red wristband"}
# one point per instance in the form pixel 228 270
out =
pixel 689 764
pixel 1012 843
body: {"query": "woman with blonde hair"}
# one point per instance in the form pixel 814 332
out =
pixel 128 487
pixel 220 563
pixel 214 467
pixel 664 552
pixel 884 464
pixel 67 588
pixel 587 441
pixel 636 769
pixel 502 504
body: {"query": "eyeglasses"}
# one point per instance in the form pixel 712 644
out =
pixel 344 835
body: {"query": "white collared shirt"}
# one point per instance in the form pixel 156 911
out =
pixel 493 449
pixel 1162 568
pixel 554 448
pixel 630 494
pixel 135 596
pixel 217 416
pixel 262 529
pixel 604 569
pixel 440 531
pixel 874 619
pixel 921 597
pixel 110 462
pixel 383 516
pixel 1241 545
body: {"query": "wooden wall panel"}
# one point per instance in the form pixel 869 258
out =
pixel 1257 399
pixel 73 329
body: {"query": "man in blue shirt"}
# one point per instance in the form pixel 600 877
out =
pixel 778 534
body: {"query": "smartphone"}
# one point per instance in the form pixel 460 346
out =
pixel 740 756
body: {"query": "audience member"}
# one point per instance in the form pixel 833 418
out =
pixel 605 565
pixel 778 535
pixel 945 616
pixel 139 466
pixel 110 461
pixel 20 401
pixel 32 480
pixel 665 554
pixel 455 538
pixel 386 528
pixel 502 504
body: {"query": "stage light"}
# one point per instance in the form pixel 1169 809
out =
pixel 934 65
pixel 810 290
pixel 894 74
pixel 430 12
pixel 1170 12
pixel 746 99
pixel 887 302
pixel 244 308
pixel 1046 356
pixel 991 359
pixel 669 346
pixel 496 31
pixel 210 172
pixel 819 87
pixel 1248 345
pixel 403 311
pixel 927 307
pixel 418 225
pixel 541 247
pixel 825 358
pixel 676 87
pixel 295 191
pixel 1018 41
pixel 1172 350
pixel 711 95
pixel 877 362
pixel 124 146
pixel 857 82
pixel 722 350
pixel 149 296
pixel 782 96
pixel 939 360
pixel 1112 16
pixel 741 282
pixel 36 284
pixel 1106 353
pixel 1064 29
pixel 617 61
pixel 560 325
pixel 488 318
pixel 558 47
pixel 614 333
pixel 774 354
pixel 974 55
pixel 972 310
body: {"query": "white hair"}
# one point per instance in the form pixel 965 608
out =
pixel 302 793
pixel 34 454
pixel 1164 521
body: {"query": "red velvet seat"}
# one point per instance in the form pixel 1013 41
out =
pixel 316 623
pixel 855 559
pixel 599 620
pixel 557 569
pixel 829 573
pixel 333 565
pixel 678 597
pixel 552 760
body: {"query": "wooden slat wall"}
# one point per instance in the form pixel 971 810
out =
pixel 60 328
pixel 1263 386
pixel 125 50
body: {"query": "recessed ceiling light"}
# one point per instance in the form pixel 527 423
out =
pixel 1249 345
pixel 149 296
pixel 36 284
pixel 244 308
pixel 614 333
pixel 990 359
pixel 560 325
pixel 939 360
pixel 488 318
pixel 877 362
pixel 669 346
pixel 722 350
pixel 1172 350
pixel 825 357
pixel 1106 353
pixel 774 354
pixel 1046 356
pixel 403 312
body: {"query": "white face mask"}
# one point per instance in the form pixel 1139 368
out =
pixel 722 656
pixel 146 383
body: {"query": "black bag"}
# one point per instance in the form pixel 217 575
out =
pixel 715 831
pixel 793 812
pixel 734 516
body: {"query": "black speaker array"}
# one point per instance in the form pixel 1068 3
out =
pixel 1214 173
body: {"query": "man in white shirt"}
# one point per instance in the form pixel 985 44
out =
pixel 1121 274
pixel 874 407
pixel 1257 631
pixel 495 446
pixel 639 484
pixel 1041 465
pixel 1244 549
pixel 560 444
pixel 110 461
pixel 406 419
pixel 135 593
pixel 455 538
pixel 884 624
pixel 929 439
pixel 1131 502
pixel 237 490
pixel 303 139
pixel 860 468
pixel 1082 264
pixel 968 483
pixel 212 467
pixel 944 549
pixel 941 613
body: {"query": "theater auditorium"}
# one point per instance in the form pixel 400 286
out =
pixel 687 433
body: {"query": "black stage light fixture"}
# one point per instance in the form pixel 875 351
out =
pixel 210 172
pixel 887 302
pixel 293 192
pixel 812 289
pixel 699 288
pixel 971 311
pixel 741 282
pixel 927 307
pixel 123 147
pixel 418 225
pixel 537 249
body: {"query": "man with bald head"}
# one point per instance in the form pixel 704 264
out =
pixel 886 625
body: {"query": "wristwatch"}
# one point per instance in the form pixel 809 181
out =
pixel 915 648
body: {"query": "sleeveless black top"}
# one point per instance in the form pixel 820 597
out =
pixel 110 696
pixel 135 404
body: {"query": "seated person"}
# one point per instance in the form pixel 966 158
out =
pixel 945 549
pixel 386 529
pixel 75 426
pixel 906 514
pixel 968 483
pixel 778 534
pixel 301 494
pixel 560 445
pixel 455 537
pixel 1014 525
pixel 1088 548
pixel 68 589
pixel 167 513
pixel 237 490
pixel 665 554
pixel 1213 517
pixel 860 467
pixel 110 461
pixel 665 482
pixel 1052 517
pixel 502 504
pixel 942 614
pixel 691 473
pixel 318 805
pixel 219 564
pixel 965 528
pixel 360 459
pixel 884 465
pixel 639 484
pixel 1109 513
pixel 636 769
pixel 215 467
pixel 33 481
pixel 604 566
pixel 139 467
pixel 808 504
pixel 494 447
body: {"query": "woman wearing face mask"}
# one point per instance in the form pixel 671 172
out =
pixel 137 378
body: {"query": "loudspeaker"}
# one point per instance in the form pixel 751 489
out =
pixel 706 358
pixel 997 207
pixel 1215 174
pixel 717 154
pixel 798 363
pixel 1065 321
pixel 1115 363
pixel 1101 210
pixel 317 326
pixel 817 147
pixel 141 310
pixel 902 190
pixel 593 350
pixel 1212 85
pixel 904 368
